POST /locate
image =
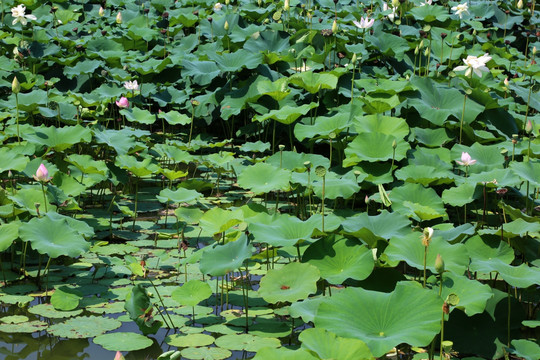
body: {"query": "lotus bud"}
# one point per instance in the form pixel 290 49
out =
pixel 10 174
pixel 286 5
pixel 528 126
pixel 395 3
pixel 421 46
pixel 520 4
pixel 416 50
pixel 226 26
pixel 426 53
pixel 259 2
pixel 353 60
pixel 119 356
pixel 506 82
pixel 101 11
pixel 122 103
pixel 15 85
pixel 439 264
pixel 534 50
pixel 42 174
pixel 195 103
pixel 394 144
pixel 119 18
pixel 334 27
pixel 227 2
pixel 426 236
pixel 366 200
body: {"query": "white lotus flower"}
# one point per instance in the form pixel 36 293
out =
pixel 393 14
pixel 18 15
pixel 460 9
pixel 131 85
pixel 476 64
pixel 217 7
pixel 428 2
pixel 365 23
pixel 466 159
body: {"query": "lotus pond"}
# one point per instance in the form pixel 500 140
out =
pixel 269 179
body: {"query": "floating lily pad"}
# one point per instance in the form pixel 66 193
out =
pixel 180 340
pixel 123 341
pixel 26 327
pixel 14 319
pixel 48 311
pixel 84 327
pixel 284 354
pixel 65 298
pixel 222 259
pixel 246 342
pixel 206 353
pixel 329 346
pixel 292 282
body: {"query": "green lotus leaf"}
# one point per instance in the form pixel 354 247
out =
pixel 417 202
pixel 53 237
pixel 409 314
pixel 180 195
pixel 139 307
pixel 425 175
pixel 431 137
pixel 516 228
pixel 217 220
pixel 379 102
pixel 528 171
pixel 123 341
pixel 323 127
pixel 192 293
pixel 257 146
pixel 389 44
pixel 80 226
pixel 237 60
pixel 374 147
pixel 283 354
pixel 488 158
pixel 437 103
pixel 278 90
pixel 14 319
pixel 294 281
pixel 379 123
pixel 430 13
pixel 203 72
pixel 313 82
pixel 115 139
pixel 87 164
pixel 528 350
pixel 8 234
pixel 503 176
pixel 306 309
pixel 262 178
pixel 473 295
pixel 65 298
pixel 484 250
pixel 246 342
pixel 59 138
pixel 222 259
pixel 84 327
pixel 140 116
pixel 181 340
pixel 370 229
pixel 12 161
pixel 26 327
pixel 139 168
pixel 16 299
pixel 286 114
pixel 294 161
pixel 205 353
pixel 339 259
pixel 174 117
pixel 284 231
pixel 48 311
pixel 190 215
pixel 460 195
pixel 337 186
pixel 521 276
pixel 409 248
pixel 82 67
pixel 329 346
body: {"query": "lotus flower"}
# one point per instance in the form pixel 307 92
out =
pixel 365 23
pixel 119 18
pixel 131 85
pixel 428 2
pixel 466 159
pixel 18 15
pixel 460 9
pixel 122 103
pixel 393 14
pixel 42 174
pixel 119 356
pixel 476 64
pixel 217 7
pixel 426 236
pixel 101 11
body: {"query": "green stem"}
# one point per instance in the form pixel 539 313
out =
pixel 425 258
pixel 136 198
pixel 17 116
pixel 462 117
pixel 44 197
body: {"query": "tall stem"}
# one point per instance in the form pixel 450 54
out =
pixel 136 198
pixel 462 116
pixel 17 115
pixel 44 197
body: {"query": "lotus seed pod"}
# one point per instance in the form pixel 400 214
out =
pixel 439 264
pixel 334 27
pixel 15 85
pixel 281 147
pixel 307 164
pixel 320 171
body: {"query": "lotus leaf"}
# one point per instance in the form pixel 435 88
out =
pixel 192 293
pixel 473 295
pixel 246 342
pixel 373 147
pixel 26 327
pixel 526 349
pixel 181 195
pixel 329 346
pixel 284 231
pixel 222 259
pixel 180 340
pixel 262 178
pixel 409 314
pixel 292 282
pixel 8 233
pixel 206 353
pixel 48 311
pixel 84 327
pixel 65 298
pixel 417 202
pixel 123 341
pixel 370 229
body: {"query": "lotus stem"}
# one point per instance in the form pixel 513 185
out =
pixel 425 258
pixel 17 114
pixel 162 304
pixel 322 203
pixel 136 198
pixel 44 196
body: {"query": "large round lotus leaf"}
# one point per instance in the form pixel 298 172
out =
pixel 410 249
pixel 409 315
pixel 417 202
pixel 12 161
pixel 53 237
pixel 138 168
pixel 246 342
pixel 174 117
pixel 26 327
pixel 374 147
pixel 293 282
pixel 314 81
pixel 192 293
pixel 65 298
pixel 59 138
pixel 388 125
pixel 284 354
pixel 222 259
pixel 336 186
pixel 383 226
pixel 27 199
pixel 181 195
pixel 190 215
pixel 518 227
pixel 306 309
pixel 8 233
pixel 137 115
pixel 84 327
pixel 521 276
pixel 181 340
pixel 217 220
pixel 529 350
pixel 339 259
pixel 286 114
pixel 123 341
pixel 14 319
pixel 323 126
pixel 205 353
pixel 284 231
pixel 80 226
pixel 528 171
pixel 485 250
pixel 48 311
pixel 460 195
pixel 488 158
pixel 87 164
pixel 472 294
pixel 262 178
pixel 329 346
pixel 295 161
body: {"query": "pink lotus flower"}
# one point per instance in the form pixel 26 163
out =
pixel 42 174
pixel 466 159
pixel 122 103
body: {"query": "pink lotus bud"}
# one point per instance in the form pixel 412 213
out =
pixel 42 174
pixel 528 126
pixel 122 103
pixel 119 356
pixel 119 18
